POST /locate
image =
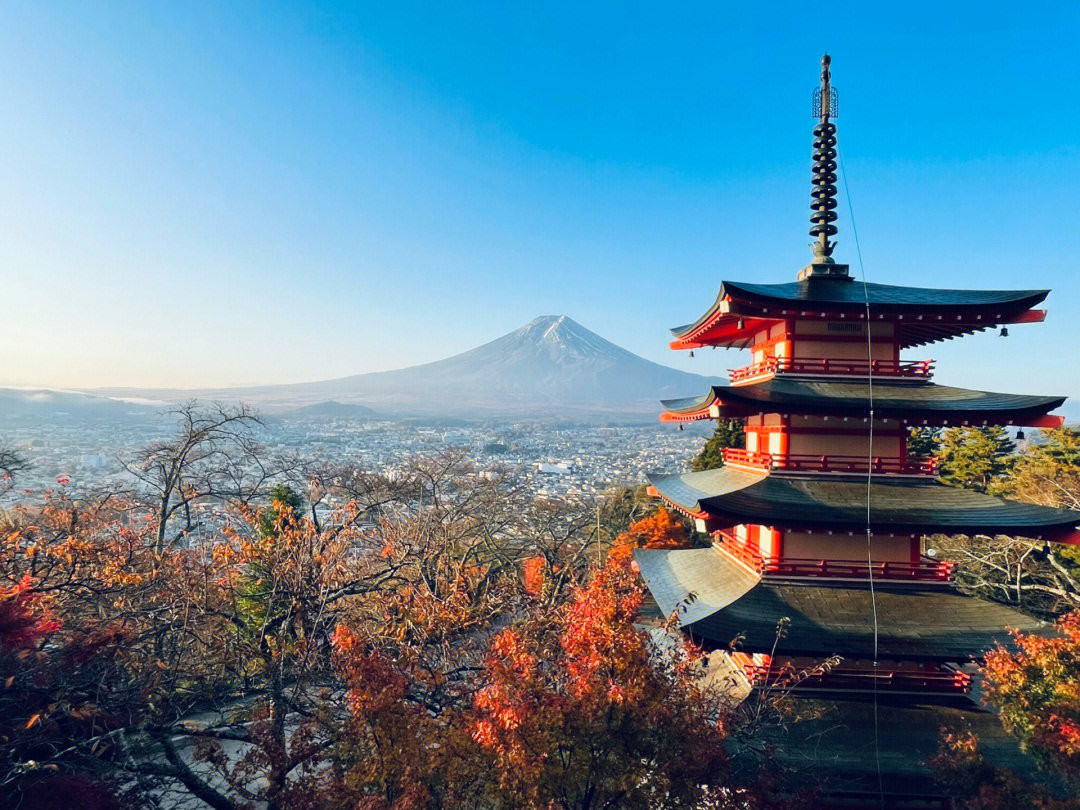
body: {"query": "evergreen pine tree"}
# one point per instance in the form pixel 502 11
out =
pixel 975 457
pixel 1047 472
pixel 727 434
pixel 923 442
pixel 281 495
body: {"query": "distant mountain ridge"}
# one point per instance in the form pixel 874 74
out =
pixel 16 403
pixel 550 367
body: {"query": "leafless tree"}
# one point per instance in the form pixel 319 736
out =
pixel 214 455
pixel 11 464
pixel 1030 574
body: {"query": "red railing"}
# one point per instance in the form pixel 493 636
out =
pixel 925 570
pixel 736 548
pixel 748 458
pixel 803 675
pixel 810 462
pixel 883 368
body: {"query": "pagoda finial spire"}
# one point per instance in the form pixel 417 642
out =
pixel 823 203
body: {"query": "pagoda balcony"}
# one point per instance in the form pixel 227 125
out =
pixel 806 674
pixel 916 369
pixel 814 463
pixel 925 571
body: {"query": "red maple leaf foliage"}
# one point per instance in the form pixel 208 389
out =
pixel 1037 689
pixel 532 575
pixel 363 661
pixel 659 530
pixel 579 709
pixel 391 743
pixel 25 617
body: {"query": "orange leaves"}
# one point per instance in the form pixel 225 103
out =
pixel 1037 689
pixel 375 684
pixel 344 640
pixel 510 707
pixel 513 669
pixel 971 782
pixel 573 705
pixel 659 530
pixel 25 616
pixel 393 742
pixel 602 646
pixel 403 634
pixel 533 575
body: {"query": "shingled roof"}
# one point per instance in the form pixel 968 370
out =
pixel 923 315
pixel 846 292
pixel 896 504
pixel 720 599
pixel 914 400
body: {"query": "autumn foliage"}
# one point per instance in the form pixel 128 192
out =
pixel 438 640
pixel 25 618
pixel 973 784
pixel 659 530
pixel 348 641
pixel 1035 685
pixel 1037 689
pixel 581 711
pixel 532 575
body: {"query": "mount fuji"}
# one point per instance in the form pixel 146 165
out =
pixel 551 367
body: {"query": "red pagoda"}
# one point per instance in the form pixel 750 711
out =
pixel 822 518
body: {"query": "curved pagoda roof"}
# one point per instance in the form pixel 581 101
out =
pixel 914 401
pixel 719 599
pixel 922 315
pixel 730 496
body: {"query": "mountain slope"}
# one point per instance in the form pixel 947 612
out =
pixel 550 367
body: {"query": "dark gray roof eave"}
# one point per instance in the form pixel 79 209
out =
pixel 890 398
pixel 899 505
pixel 891 298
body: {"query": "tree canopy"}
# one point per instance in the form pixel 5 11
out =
pixel 1036 687
pixel 975 457
pixel 727 434
pixel 440 639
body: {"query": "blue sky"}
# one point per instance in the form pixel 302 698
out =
pixel 194 194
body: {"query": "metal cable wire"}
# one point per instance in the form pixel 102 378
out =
pixel 869 470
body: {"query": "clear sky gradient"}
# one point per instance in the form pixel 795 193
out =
pixel 207 194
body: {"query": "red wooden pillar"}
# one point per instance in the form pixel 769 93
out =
pixel 776 543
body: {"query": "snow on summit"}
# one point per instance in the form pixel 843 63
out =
pixel 550 367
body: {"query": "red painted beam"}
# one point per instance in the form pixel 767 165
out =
pixel 1030 316
pixel 1047 421
pixel 693 416
pixel 1066 537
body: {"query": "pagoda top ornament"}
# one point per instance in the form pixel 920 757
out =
pixel 823 196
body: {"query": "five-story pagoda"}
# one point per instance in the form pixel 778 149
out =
pixel 822 518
